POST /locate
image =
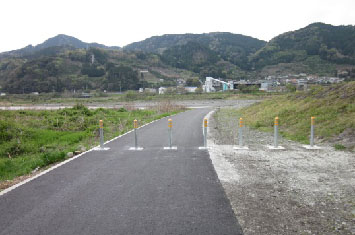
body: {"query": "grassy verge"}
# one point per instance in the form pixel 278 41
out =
pixel 333 107
pixel 34 139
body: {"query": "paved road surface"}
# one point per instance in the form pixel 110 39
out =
pixel 119 191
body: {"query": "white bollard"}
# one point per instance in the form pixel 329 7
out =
pixel 312 131
pixel 205 132
pixel 240 137
pixel 135 125
pixel 311 145
pixel 170 136
pixel 101 130
pixel 170 125
pixel 276 136
pixel 276 132
pixel 101 134
pixel 240 132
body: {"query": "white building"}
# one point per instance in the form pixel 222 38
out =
pixel 191 89
pixel 150 90
pixel 161 90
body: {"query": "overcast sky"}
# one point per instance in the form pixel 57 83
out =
pixel 118 23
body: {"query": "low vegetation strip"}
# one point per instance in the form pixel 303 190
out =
pixel 129 96
pixel 333 107
pixel 30 140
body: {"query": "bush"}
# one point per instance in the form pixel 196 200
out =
pixel 131 95
pixel 122 110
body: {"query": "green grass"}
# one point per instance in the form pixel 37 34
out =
pixel 333 107
pixel 339 147
pixel 31 139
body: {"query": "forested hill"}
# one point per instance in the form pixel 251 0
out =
pixel 52 46
pixel 86 69
pixel 217 41
pixel 234 48
pixel 318 41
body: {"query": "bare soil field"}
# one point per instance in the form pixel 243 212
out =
pixel 291 191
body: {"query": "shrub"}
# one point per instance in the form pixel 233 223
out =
pixel 339 147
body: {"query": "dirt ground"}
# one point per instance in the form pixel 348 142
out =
pixel 291 191
pixel 133 104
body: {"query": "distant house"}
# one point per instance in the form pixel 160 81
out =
pixel 161 90
pixel 150 90
pixel 265 86
pixel 85 95
pixel 302 84
pixel 180 82
pixel 35 93
pixel 191 89
pixel 2 94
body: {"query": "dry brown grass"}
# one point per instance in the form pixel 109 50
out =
pixel 166 107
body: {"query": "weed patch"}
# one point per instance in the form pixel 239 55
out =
pixel 31 139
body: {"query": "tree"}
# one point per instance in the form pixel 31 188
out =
pixel 192 82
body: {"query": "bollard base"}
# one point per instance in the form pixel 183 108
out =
pixel 170 148
pixel 136 149
pixel 241 147
pixel 275 148
pixel 204 147
pixel 101 149
pixel 314 147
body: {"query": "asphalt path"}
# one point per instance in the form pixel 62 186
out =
pixel 120 191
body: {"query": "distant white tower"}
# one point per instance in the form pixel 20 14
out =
pixel 92 59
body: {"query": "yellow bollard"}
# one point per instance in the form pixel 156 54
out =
pixel 312 131
pixel 240 132
pixel 313 120
pixel 101 133
pixel 135 125
pixel 276 132
pixel 205 132
pixel 170 126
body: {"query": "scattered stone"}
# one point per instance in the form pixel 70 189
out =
pixel 70 154
pixel 82 149
pixel 77 152
pixel 35 170
pixel 300 192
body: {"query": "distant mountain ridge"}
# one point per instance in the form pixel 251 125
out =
pixel 60 41
pixel 334 44
pixel 60 63
pixel 190 51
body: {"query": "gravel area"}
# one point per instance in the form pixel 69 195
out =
pixel 132 104
pixel 291 191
